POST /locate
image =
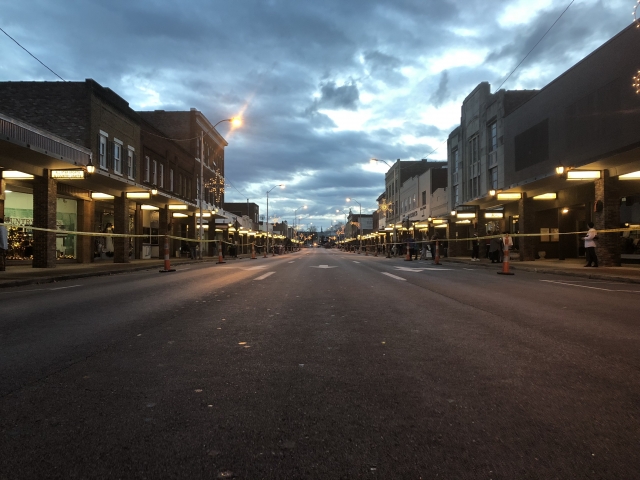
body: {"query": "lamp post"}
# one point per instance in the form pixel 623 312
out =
pixel 269 191
pixel 396 190
pixel 295 216
pixel 235 121
pixel 344 233
pixel 359 221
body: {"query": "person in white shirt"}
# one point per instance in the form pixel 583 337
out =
pixel 590 246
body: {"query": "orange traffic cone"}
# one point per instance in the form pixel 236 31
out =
pixel 167 262
pixel 253 252
pixel 505 262
pixel 408 256
pixel 220 258
pixel 436 258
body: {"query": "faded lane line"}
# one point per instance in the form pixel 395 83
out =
pixel 38 290
pixel 262 277
pixel 394 276
pixel 355 261
pixel 592 288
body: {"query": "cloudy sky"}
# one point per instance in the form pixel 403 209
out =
pixel 322 85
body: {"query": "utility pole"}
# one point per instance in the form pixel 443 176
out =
pixel 201 188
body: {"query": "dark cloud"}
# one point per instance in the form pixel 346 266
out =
pixel 442 93
pixel 344 97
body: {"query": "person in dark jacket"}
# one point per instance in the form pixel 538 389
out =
pixel 475 245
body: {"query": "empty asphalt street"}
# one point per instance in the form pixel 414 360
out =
pixel 321 365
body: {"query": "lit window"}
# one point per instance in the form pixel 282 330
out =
pixel 146 169
pixel 155 172
pixel 103 152
pixel 117 156
pixel 131 163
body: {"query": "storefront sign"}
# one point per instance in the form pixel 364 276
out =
pixel 67 174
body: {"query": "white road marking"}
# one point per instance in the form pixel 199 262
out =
pixel 409 269
pixel 257 267
pixel 38 290
pixel 292 262
pixel 62 288
pixel 394 276
pixel 262 277
pixel 591 288
pixel 322 266
pixel 355 261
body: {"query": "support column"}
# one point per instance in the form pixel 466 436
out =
pixel 164 227
pixel 121 225
pixel 606 215
pixel 527 223
pixel 85 243
pixel 3 186
pixel 45 191
pixel 138 229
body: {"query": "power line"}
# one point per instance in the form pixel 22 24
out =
pixel 517 66
pixel 532 48
pixel 32 55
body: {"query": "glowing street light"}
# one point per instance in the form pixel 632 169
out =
pixel 235 121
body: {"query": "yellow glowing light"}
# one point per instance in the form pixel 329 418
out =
pixel 466 215
pixel 508 196
pixel 630 176
pixel 16 175
pixel 148 207
pixel 463 221
pixel 177 207
pixel 101 196
pixel 583 174
pixel 180 215
pixel 138 195
pixel 546 196
pixel 493 215
pixel 236 121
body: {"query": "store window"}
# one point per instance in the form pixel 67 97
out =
pixel 18 211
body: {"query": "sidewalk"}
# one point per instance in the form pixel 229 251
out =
pixel 24 274
pixel 573 267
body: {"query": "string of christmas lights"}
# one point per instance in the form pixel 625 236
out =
pixel 635 14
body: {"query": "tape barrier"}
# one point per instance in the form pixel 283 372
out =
pixel 159 236
pixel 512 235
pixel 118 235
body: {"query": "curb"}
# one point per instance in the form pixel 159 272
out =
pixel 554 271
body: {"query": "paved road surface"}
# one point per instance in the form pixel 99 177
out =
pixel 320 365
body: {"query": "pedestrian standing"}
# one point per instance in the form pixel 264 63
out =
pixel 475 252
pixel 435 240
pixel 507 242
pixel 590 246
pixel 494 250
pixel 4 245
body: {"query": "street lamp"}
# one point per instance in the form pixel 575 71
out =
pixel 344 232
pixel 235 121
pixel 295 215
pixel 396 191
pixel 359 221
pixel 269 191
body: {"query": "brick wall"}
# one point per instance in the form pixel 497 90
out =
pixel 44 216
